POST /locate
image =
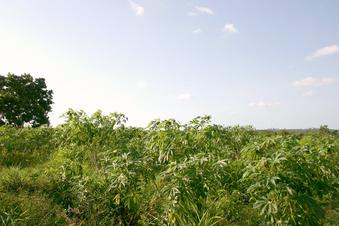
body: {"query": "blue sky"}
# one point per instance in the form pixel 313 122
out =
pixel 270 64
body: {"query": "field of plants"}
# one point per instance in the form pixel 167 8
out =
pixel 94 170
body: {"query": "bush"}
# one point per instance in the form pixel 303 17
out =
pixel 26 146
pixel 93 170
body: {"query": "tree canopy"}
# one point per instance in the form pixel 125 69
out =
pixel 24 100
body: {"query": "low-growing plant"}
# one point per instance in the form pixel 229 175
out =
pixel 94 170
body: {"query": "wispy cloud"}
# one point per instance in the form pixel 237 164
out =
pixel 204 10
pixel 263 104
pixel 198 10
pixel 184 96
pixel 314 82
pixel 230 28
pixel 308 93
pixel 198 30
pixel 325 51
pixel 137 9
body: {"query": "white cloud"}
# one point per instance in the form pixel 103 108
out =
pixel 204 10
pixel 197 31
pixel 325 51
pixel 308 93
pixel 314 82
pixel 230 28
pixel 137 9
pixel 201 10
pixel 184 96
pixel 141 84
pixel 263 104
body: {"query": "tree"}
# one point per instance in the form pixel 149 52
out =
pixel 24 100
pixel 324 129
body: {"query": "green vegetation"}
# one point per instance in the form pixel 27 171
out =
pixel 24 100
pixel 93 170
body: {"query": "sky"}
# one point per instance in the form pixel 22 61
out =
pixel 270 64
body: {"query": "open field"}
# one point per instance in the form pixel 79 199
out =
pixel 267 72
pixel 95 171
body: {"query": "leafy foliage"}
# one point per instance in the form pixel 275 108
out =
pixel 98 171
pixel 24 100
